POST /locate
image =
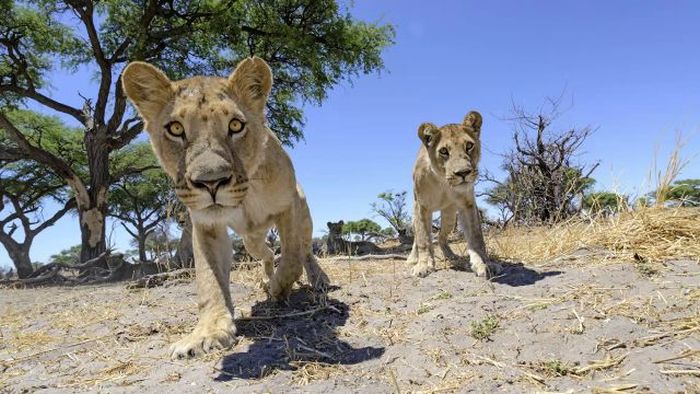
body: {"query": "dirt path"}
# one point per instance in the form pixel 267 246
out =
pixel 579 328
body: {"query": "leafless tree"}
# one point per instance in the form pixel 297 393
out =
pixel 543 180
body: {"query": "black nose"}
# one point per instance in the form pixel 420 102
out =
pixel 211 184
pixel 463 173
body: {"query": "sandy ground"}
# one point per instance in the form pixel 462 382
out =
pixel 557 327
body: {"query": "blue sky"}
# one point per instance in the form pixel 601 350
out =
pixel 630 68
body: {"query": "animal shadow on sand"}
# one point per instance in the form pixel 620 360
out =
pixel 285 336
pixel 517 274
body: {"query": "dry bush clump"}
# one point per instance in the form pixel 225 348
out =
pixel 654 234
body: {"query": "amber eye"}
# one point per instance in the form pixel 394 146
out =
pixel 235 126
pixel 175 129
pixel 444 152
pixel 470 146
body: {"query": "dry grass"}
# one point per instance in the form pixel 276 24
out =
pixel 654 234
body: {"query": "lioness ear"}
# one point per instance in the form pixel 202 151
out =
pixel 251 82
pixel 428 133
pixel 329 224
pixel 147 87
pixel 473 120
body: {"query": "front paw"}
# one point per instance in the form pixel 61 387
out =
pixel 207 336
pixel 421 270
pixel 278 292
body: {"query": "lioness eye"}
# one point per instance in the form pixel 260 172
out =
pixel 444 152
pixel 470 145
pixel 175 129
pixel 235 126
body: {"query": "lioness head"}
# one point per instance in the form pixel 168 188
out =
pixel 335 230
pixel 454 149
pixel 206 131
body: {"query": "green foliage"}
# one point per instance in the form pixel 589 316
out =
pixel 600 202
pixel 39 38
pixel 49 133
pixel 67 256
pixel 483 329
pixel 310 45
pixel 686 192
pixel 141 200
pixel 392 207
pixel 364 228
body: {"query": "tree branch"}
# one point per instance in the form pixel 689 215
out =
pixel 45 100
pixel 68 206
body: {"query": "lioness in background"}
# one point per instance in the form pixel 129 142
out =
pixel 229 169
pixel 335 244
pixel 443 179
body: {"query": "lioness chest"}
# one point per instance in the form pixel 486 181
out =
pixel 260 207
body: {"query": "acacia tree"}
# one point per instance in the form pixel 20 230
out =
pixel 140 202
pixel 311 46
pixel 24 190
pixel 364 228
pixel 26 186
pixel 684 192
pixel 605 203
pixel 392 207
pixel 542 178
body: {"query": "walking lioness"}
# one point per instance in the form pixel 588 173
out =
pixel 443 179
pixel 229 169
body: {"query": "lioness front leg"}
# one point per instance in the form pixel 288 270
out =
pixel 290 265
pixel 212 260
pixel 476 247
pixel 422 223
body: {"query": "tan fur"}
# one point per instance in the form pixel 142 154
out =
pixel 243 180
pixel 443 179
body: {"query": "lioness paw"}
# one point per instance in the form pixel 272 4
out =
pixel 204 340
pixel 422 270
pixel 487 270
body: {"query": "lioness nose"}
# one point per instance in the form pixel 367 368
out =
pixel 463 173
pixel 211 184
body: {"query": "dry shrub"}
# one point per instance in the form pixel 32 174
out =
pixel 653 233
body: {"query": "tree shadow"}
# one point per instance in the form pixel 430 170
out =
pixel 285 336
pixel 517 274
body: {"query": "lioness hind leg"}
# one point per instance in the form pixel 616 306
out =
pixel 293 254
pixel 257 247
pixel 448 219
pixel 314 273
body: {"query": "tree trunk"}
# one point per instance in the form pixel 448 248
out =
pixel 142 247
pixel 92 229
pixel 93 211
pixel 184 256
pixel 20 258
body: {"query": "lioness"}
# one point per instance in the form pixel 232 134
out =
pixel 229 169
pixel 443 179
pixel 335 244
